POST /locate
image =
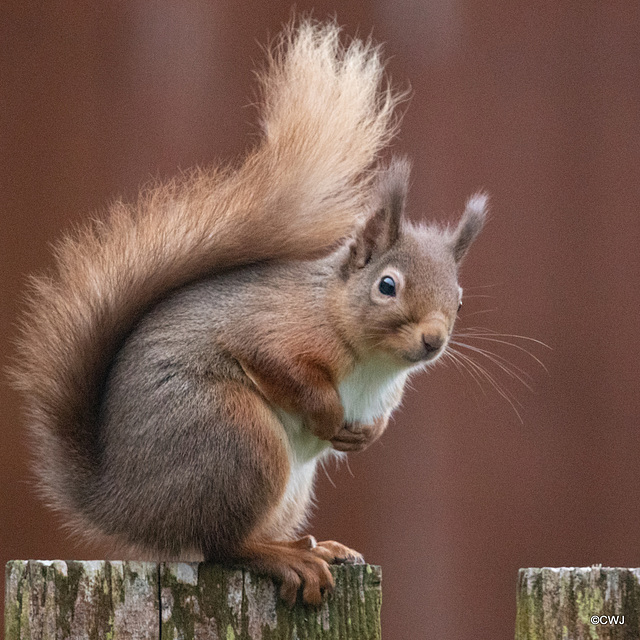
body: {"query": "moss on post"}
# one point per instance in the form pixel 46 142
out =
pixel 57 599
pixel 126 600
pixel 207 601
pixel 590 603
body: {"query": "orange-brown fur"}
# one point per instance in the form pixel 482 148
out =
pixel 196 354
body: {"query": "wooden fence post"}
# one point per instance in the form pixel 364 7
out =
pixel 101 600
pixel 590 603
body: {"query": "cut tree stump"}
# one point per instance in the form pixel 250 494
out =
pixel 590 603
pixel 47 600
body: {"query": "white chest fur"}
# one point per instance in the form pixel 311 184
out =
pixel 368 392
pixel 372 389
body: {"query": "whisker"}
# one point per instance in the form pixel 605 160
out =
pixel 447 358
pixel 490 332
pixel 466 315
pixel 483 286
pixel 508 367
pixel 491 338
pixel 462 366
pixel 491 379
pixel 487 352
pixel 346 459
pixel 326 473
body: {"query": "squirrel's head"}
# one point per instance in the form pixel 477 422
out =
pixel 400 279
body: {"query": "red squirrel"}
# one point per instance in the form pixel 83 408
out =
pixel 195 355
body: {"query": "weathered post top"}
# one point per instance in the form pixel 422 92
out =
pixel 148 600
pixel 578 603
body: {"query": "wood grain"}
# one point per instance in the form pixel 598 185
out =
pixel 590 603
pixel 140 600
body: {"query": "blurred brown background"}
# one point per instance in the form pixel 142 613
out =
pixel 536 102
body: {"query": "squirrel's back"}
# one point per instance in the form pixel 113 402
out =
pixel 167 448
pixel 325 116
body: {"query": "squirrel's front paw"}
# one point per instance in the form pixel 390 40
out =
pixel 336 553
pixel 354 436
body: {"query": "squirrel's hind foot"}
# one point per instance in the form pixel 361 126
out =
pixel 330 551
pixel 299 564
pixel 336 553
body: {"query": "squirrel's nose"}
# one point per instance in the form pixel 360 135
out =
pixel 432 342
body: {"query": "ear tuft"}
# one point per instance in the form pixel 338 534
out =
pixel 382 229
pixel 390 191
pixel 470 225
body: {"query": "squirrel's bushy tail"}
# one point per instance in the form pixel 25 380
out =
pixel 325 117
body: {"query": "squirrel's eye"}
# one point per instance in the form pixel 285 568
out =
pixel 387 286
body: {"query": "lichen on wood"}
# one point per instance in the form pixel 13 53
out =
pixel 47 600
pixel 201 601
pixel 588 603
pixel 102 600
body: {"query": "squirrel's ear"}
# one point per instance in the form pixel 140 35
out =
pixel 470 225
pixel 382 230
